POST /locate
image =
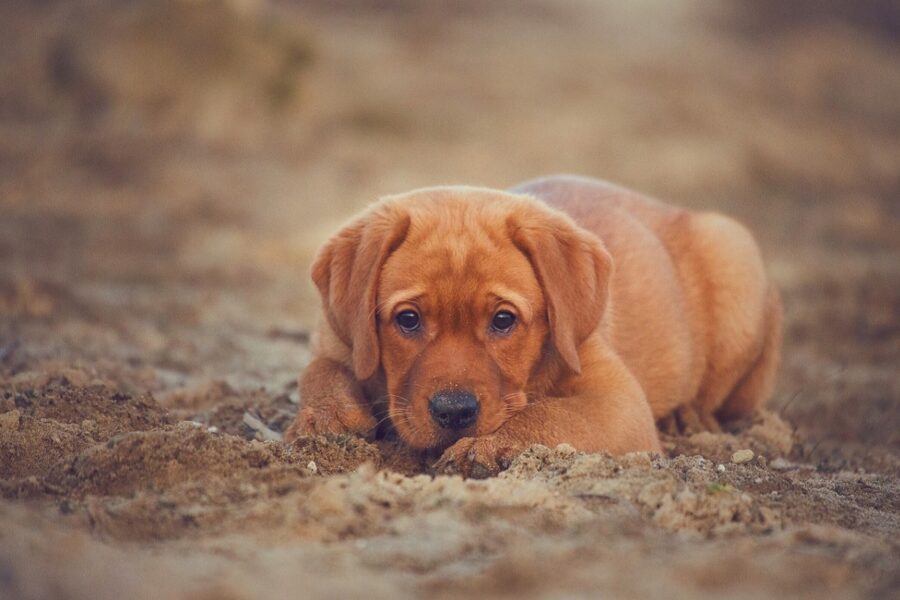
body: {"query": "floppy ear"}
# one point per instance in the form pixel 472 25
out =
pixel 346 272
pixel 573 269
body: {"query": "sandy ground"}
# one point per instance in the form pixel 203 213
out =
pixel 168 168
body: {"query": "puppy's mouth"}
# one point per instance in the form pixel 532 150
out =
pixel 445 439
pixel 439 420
pixel 425 433
pixel 427 436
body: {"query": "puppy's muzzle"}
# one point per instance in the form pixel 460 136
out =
pixel 453 409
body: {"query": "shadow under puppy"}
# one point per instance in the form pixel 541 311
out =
pixel 477 322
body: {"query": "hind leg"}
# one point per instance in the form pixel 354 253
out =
pixel 692 420
pixel 734 308
pixel 756 387
pixel 687 420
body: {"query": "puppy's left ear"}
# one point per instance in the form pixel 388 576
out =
pixel 346 272
pixel 573 268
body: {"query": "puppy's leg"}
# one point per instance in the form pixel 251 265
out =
pixel 607 411
pixel 333 402
pixel 756 387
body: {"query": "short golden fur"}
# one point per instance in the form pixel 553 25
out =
pixel 627 310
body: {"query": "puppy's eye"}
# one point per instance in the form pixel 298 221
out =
pixel 503 321
pixel 408 321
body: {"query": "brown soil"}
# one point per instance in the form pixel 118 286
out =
pixel 168 168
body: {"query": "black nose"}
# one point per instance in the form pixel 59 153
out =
pixel 453 409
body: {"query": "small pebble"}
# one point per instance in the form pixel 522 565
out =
pixel 212 429
pixel 312 467
pixel 780 464
pixel 720 468
pixel 757 480
pixel 10 420
pixel 742 456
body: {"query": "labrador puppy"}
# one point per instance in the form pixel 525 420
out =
pixel 477 322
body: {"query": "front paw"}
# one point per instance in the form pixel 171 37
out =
pixel 316 421
pixel 478 457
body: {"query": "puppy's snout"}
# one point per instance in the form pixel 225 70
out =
pixel 453 409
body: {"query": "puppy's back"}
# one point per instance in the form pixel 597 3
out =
pixel 651 316
pixel 693 307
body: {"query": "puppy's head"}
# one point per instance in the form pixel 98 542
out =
pixel 461 296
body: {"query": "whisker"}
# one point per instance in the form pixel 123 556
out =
pixel 415 429
pixel 382 420
pixel 383 398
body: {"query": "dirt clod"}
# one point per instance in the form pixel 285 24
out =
pixel 742 456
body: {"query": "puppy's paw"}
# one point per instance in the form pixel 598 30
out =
pixel 315 421
pixel 478 457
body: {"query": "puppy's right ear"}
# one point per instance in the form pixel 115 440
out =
pixel 346 272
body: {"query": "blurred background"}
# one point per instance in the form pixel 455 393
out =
pixel 169 167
